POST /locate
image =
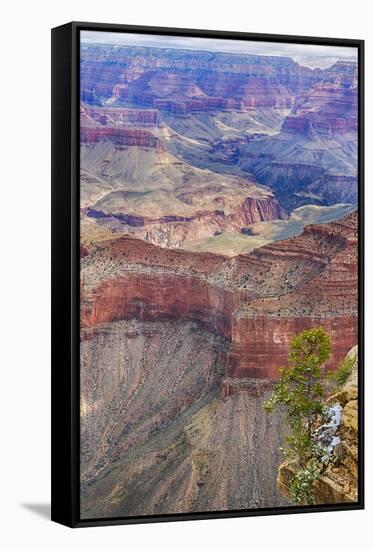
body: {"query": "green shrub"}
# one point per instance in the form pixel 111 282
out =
pixel 340 376
pixel 301 485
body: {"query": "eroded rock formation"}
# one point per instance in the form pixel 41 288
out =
pixel 173 230
pixel 155 434
pixel 292 127
pixel 122 137
pixel 184 81
pixel 109 116
pixel 180 349
pixel 258 301
pixel 328 108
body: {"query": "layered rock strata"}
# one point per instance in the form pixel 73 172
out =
pixel 173 230
pixel 184 81
pixel 328 108
pixel 258 301
pixel 109 116
pixel 121 137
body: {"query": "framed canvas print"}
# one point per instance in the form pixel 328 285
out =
pixel 207 277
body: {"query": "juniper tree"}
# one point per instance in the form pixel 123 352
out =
pixel 300 396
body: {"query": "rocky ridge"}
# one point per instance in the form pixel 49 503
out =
pixel 258 301
pixel 185 81
pixel 174 230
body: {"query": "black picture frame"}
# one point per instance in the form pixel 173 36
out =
pixel 65 271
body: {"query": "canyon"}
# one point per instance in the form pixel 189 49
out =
pixel 132 185
pixel 257 301
pixel 230 126
pixel 218 196
pixel 179 351
pixel 196 80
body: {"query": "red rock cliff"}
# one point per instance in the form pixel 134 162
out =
pixel 258 301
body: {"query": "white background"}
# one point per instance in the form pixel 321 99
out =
pixel 25 279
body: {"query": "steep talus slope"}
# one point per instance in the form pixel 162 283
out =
pixel 130 369
pixel 156 438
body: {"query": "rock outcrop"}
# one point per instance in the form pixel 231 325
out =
pixel 258 301
pixel 328 108
pixel 110 116
pixel 173 230
pixel 122 137
pixel 338 482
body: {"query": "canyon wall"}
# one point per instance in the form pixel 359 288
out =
pixel 184 81
pixel 180 349
pixel 109 116
pixel 122 137
pixel 291 127
pixel 155 437
pixel 257 301
pixel 173 230
pixel 329 108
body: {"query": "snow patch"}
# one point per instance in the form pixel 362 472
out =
pixel 326 435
